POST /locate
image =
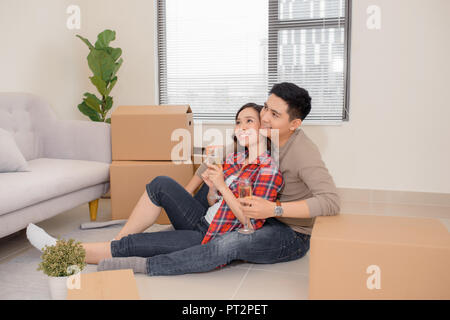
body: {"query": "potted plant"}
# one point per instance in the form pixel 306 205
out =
pixel 104 63
pixel 61 262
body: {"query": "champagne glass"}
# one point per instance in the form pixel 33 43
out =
pixel 213 155
pixel 245 191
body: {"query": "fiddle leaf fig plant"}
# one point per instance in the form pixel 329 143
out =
pixel 104 62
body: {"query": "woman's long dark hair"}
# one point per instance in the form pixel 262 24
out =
pixel 258 109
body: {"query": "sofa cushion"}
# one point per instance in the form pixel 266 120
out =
pixel 24 116
pixel 11 159
pixel 47 179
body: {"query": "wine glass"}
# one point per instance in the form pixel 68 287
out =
pixel 245 191
pixel 213 155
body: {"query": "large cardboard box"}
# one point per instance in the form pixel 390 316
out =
pixel 105 285
pixel 150 133
pixel 129 178
pixel 379 257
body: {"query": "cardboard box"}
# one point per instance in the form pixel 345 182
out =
pixel 145 133
pixel 106 285
pixel 129 178
pixel 379 257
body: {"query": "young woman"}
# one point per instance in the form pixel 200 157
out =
pixel 195 222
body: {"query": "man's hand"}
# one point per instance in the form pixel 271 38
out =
pixel 257 208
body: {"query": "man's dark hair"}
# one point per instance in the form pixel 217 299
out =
pixel 298 99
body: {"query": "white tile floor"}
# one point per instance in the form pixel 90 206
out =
pixel 284 281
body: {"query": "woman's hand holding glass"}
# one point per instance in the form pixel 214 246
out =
pixel 207 181
pixel 214 174
pixel 213 155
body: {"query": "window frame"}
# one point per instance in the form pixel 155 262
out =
pixel 274 25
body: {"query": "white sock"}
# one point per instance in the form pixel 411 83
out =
pixel 39 238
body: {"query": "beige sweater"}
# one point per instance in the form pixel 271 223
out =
pixel 305 178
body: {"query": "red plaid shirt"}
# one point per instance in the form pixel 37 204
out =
pixel 266 182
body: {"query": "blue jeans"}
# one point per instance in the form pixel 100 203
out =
pixel 180 251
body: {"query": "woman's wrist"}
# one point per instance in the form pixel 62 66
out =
pixel 222 187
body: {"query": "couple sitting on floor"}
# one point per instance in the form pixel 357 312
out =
pixel 287 195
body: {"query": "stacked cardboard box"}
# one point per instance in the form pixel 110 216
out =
pixel 148 141
pixel 379 257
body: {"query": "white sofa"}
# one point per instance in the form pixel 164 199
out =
pixel 68 161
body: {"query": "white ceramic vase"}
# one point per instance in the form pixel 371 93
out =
pixel 58 287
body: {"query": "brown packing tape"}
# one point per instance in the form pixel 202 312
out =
pixel 152 110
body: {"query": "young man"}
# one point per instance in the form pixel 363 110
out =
pixel 308 191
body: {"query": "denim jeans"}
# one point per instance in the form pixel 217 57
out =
pixel 180 251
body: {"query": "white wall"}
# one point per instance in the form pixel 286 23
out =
pixel 398 134
pixel 40 54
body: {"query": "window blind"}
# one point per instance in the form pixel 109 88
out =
pixel 217 55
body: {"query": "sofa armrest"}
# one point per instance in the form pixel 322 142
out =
pixel 77 139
